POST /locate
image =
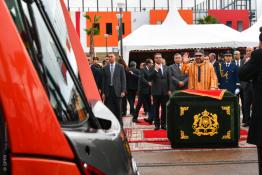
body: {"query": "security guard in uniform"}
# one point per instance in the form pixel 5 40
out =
pixel 228 75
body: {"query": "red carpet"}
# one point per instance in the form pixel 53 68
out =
pixel 155 134
pixel 159 142
pixel 142 122
pixel 143 137
pixel 162 134
pixel 243 132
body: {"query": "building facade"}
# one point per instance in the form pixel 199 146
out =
pixel 238 14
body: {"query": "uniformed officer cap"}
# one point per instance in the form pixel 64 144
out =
pixel 228 53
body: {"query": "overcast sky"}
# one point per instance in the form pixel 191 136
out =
pixel 145 3
pixel 131 3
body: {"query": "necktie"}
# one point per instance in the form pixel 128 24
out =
pixel 111 74
pixel 178 65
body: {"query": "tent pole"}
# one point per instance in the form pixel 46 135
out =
pixel 97 5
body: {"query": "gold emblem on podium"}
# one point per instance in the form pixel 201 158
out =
pixel 183 109
pixel 183 136
pixel 205 124
pixel 227 136
pixel 226 108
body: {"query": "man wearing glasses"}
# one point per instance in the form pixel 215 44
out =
pixel 201 73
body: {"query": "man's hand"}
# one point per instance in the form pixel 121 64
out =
pixel 122 94
pixel 247 59
pixel 181 83
pixel 150 83
pixel 103 97
pixel 237 91
pixel 185 58
pixel 169 93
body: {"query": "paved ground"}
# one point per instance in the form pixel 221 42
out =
pixel 239 161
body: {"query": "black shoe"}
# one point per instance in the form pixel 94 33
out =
pixel 157 128
pixel 148 121
pixel 245 125
pixel 134 120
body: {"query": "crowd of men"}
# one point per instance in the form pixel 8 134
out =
pixel 153 82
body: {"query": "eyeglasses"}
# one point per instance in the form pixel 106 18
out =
pixel 198 55
pixel 157 57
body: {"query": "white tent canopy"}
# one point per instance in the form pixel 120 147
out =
pixel 175 33
pixel 249 37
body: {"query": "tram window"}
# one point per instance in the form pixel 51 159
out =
pixel 62 92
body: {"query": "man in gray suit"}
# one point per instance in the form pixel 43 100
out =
pixel 177 79
pixel 159 90
pixel 114 86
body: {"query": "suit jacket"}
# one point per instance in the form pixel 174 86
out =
pixel 144 79
pixel 160 82
pixel 175 76
pixel 97 73
pixel 243 84
pixel 132 79
pixel 241 63
pixel 228 77
pixel 252 70
pixel 119 79
pixel 216 67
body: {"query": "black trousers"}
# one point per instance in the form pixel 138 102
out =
pixel 124 105
pixel 160 100
pixel 145 100
pixel 248 98
pixel 131 96
pixel 259 155
pixel 114 103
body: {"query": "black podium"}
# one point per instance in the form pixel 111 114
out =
pixel 203 122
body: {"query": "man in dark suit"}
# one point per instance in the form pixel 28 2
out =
pixel 214 62
pixel 132 85
pixel 144 92
pixel 160 88
pixel 228 75
pixel 239 62
pixel 97 72
pixel 248 92
pixel 252 71
pixel 114 86
pixel 177 80
pixel 237 58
